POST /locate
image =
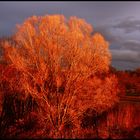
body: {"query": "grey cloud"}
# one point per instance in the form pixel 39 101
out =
pixel 102 15
pixel 125 52
pixel 105 30
pixel 126 55
pixel 125 65
pixel 128 25
pixel 93 12
pixel 115 40
pixel 131 45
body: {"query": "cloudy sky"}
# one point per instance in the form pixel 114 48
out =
pixel 119 22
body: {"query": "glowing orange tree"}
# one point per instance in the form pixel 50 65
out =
pixel 57 58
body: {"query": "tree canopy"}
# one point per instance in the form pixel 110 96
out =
pixel 54 59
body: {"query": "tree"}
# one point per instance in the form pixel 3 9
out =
pixel 56 58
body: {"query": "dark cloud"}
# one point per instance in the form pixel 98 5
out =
pixel 128 25
pixel 133 45
pixel 112 19
pixel 125 52
pixel 93 12
pixel 105 30
pixel 125 65
pixel 126 55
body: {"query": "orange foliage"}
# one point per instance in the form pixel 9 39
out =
pixel 52 60
pixel 129 83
